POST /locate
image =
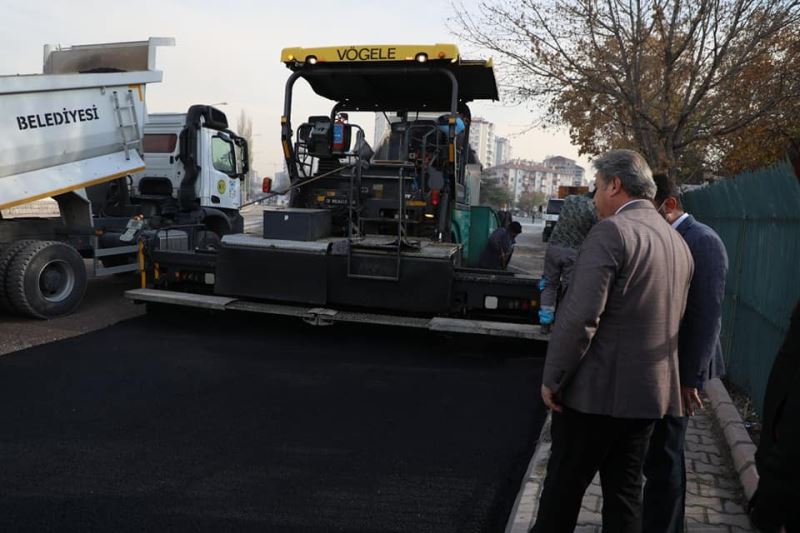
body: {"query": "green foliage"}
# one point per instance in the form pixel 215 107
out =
pixel 694 86
pixel 528 201
pixel 494 194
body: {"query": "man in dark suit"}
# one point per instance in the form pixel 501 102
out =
pixel 612 362
pixel 699 356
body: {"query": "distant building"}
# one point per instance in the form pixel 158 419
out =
pixel 481 138
pixel 522 176
pixel 502 150
pixel 567 166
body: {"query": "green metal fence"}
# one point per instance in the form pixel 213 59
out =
pixel 757 215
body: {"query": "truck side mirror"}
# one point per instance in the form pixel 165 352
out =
pixel 266 185
pixel 243 156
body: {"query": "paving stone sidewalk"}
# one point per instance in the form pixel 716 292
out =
pixel 715 502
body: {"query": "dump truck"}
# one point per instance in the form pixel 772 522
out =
pixel 381 235
pixel 74 133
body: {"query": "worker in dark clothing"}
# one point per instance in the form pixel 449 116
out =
pixel 774 507
pixel 499 247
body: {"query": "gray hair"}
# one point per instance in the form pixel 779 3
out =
pixel 632 170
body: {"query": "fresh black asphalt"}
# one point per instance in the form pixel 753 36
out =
pixel 211 423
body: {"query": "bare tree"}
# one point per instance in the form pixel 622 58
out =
pixel 674 79
pixel 244 128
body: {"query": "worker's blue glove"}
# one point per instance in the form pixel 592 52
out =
pixel 546 315
pixel 541 283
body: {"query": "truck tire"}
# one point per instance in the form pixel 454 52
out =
pixel 46 279
pixel 7 255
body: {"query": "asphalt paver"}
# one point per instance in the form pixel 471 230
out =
pixel 209 423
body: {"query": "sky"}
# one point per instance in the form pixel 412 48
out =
pixel 228 53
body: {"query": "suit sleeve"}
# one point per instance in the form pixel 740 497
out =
pixel 701 323
pixel 596 269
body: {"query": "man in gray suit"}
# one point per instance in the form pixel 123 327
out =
pixel 612 363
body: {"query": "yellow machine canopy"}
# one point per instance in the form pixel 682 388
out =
pixel 387 77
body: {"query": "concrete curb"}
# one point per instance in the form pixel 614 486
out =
pixel 741 445
pixel 738 440
pixel 519 521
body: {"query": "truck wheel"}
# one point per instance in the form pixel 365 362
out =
pixel 7 255
pixel 46 279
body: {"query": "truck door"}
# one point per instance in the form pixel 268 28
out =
pixel 219 185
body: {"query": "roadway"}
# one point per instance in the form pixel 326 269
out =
pixel 199 422
pixel 193 421
pixel 529 251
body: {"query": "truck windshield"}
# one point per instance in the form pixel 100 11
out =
pixel 223 155
pixel 554 206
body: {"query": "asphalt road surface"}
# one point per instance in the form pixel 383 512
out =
pixel 205 423
pixel 529 250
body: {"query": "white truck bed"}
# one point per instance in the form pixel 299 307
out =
pixel 63 130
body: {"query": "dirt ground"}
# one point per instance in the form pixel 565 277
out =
pixel 103 305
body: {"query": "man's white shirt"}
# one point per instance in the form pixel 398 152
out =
pixel 680 220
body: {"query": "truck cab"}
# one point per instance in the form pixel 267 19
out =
pixel 194 169
pixel 220 159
